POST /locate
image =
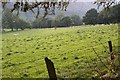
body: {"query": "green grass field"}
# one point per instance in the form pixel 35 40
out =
pixel 70 49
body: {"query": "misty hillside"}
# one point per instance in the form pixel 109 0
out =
pixel 79 8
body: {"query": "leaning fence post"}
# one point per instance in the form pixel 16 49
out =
pixel 51 69
pixel 110 46
pixel 112 54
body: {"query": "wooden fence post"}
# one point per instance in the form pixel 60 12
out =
pixel 51 69
pixel 110 46
pixel 112 54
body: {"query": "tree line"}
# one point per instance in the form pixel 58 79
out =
pixel 13 22
pixel 92 17
pixel 106 16
pixel 59 21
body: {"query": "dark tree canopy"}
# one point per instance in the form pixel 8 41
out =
pixel 109 16
pixel 90 17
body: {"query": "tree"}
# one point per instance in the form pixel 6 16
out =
pixel 11 21
pixel 90 17
pixel 66 22
pixel 46 23
pixel 109 16
pixel 36 23
pixel 8 20
pixel 21 24
pixel 103 17
pixel 56 22
pixel 76 21
pixel 114 14
pixel 42 23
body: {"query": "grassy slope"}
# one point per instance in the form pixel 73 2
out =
pixel 24 53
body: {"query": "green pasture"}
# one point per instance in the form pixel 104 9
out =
pixel 70 49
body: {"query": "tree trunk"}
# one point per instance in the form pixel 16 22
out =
pixel 11 29
pixel 16 29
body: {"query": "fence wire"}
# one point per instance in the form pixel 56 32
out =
pixel 31 61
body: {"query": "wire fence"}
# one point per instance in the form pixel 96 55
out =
pixel 32 61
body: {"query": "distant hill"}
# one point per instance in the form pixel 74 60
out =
pixel 78 8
